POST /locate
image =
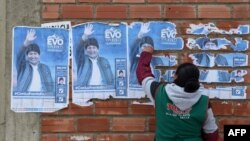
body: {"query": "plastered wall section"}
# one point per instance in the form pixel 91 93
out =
pixel 15 126
pixel 2 63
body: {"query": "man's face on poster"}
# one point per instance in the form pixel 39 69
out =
pixel 121 74
pixel 210 45
pixel 239 74
pixel 61 81
pixel 92 51
pixel 33 57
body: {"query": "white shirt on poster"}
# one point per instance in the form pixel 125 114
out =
pixel 96 78
pixel 35 84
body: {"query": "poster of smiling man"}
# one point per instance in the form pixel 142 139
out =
pixel 40 58
pixel 99 51
pixel 161 36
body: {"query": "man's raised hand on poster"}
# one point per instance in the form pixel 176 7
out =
pixel 30 37
pixel 144 29
pixel 88 30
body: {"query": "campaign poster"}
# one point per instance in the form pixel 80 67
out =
pixel 40 74
pixel 238 75
pixel 160 35
pixel 210 60
pixel 205 29
pixel 99 61
pixel 205 43
pixel 225 92
pixel 217 63
pixel 168 76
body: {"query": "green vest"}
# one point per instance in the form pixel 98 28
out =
pixel 173 124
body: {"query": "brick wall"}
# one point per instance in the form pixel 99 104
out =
pixel 120 120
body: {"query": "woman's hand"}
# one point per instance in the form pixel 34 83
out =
pixel 149 49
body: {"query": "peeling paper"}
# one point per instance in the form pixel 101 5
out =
pixel 169 76
pixel 222 76
pixel 204 43
pixel 161 35
pixel 205 29
pixel 224 60
pixel 237 92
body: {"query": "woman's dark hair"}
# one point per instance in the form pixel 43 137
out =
pixel 188 77
pixel 147 40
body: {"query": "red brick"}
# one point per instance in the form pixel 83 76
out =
pixel 248 92
pixel 92 124
pixel 164 1
pixel 95 1
pixel 140 109
pixel 128 124
pixel 57 125
pixel 111 107
pixel 246 77
pixel 241 11
pixel 142 137
pixel 222 107
pixel 232 1
pixel 75 11
pixel 233 121
pixel 111 111
pixel 214 11
pixel 227 25
pixel 114 11
pixel 198 1
pixel 50 12
pixel 242 108
pixel 59 1
pixel 78 137
pixel 151 124
pixel 76 110
pixel 128 1
pixel 49 138
pixel 51 8
pixel 248 59
pixel 221 137
pixel 147 11
pixel 180 11
pixel 50 114
pixel 112 137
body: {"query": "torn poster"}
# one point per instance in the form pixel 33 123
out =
pixel 223 92
pixel 205 29
pixel 205 59
pixel 99 60
pixel 205 43
pixel 161 36
pixel 222 76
